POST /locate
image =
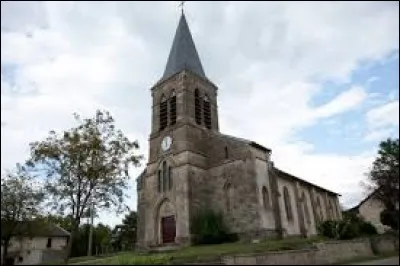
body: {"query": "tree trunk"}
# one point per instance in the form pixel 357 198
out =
pixel 5 253
pixel 75 228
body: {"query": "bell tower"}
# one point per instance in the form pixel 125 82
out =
pixel 183 96
pixel 184 114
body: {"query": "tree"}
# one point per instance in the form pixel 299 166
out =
pixel 20 204
pixel 87 163
pixel 385 179
pixel 124 235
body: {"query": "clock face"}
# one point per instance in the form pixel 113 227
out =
pixel 166 143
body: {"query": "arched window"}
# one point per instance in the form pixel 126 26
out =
pixel 170 178
pixel 228 191
pixel 288 207
pixel 306 211
pixel 172 108
pixel 163 113
pixel 265 197
pixel 197 107
pixel 226 152
pixel 319 210
pixel 207 112
pixel 164 178
pixel 159 185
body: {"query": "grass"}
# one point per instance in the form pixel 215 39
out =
pixel 87 259
pixel 206 253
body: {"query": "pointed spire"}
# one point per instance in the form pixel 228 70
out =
pixel 183 54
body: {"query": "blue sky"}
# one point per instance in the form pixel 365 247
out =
pixel 317 82
pixel 344 133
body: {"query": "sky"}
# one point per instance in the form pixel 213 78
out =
pixel 316 82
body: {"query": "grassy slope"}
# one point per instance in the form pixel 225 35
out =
pixel 202 253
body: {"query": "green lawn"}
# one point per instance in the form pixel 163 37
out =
pixel 207 253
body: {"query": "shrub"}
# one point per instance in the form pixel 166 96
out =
pixel 350 227
pixel 208 227
pixel 390 218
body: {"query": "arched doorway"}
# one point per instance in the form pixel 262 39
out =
pixel 166 222
pixel 168 229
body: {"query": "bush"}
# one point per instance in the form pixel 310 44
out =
pixel 390 218
pixel 208 227
pixel 350 227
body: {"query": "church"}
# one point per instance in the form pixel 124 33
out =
pixel 192 165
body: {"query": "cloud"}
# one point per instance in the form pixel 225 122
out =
pixel 384 115
pixel 269 59
pixel 343 102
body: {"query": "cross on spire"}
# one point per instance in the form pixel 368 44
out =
pixel 181 5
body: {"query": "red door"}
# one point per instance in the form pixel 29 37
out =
pixel 168 229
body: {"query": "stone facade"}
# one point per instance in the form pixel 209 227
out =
pixel 203 168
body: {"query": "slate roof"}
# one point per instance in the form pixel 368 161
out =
pixel 183 54
pixel 282 173
pixel 33 228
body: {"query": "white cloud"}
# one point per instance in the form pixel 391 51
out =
pixel 268 58
pixel 343 102
pixel 382 121
pixel 384 115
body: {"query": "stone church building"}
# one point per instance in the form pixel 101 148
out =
pixel 192 165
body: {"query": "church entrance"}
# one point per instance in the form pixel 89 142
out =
pixel 168 229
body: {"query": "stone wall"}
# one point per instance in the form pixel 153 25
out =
pixel 334 251
pixel 322 253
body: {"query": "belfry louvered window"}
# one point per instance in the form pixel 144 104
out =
pixel 207 112
pixel 172 108
pixel 163 113
pixel 197 107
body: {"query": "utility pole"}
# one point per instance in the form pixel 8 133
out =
pixel 89 253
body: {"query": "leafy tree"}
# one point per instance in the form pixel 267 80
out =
pixel 86 163
pixel 20 204
pixel 385 179
pixel 124 235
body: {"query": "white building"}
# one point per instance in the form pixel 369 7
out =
pixel 46 245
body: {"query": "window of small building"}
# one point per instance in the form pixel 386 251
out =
pixel 48 243
pixel 226 152
pixel 20 259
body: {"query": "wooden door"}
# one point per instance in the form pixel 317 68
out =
pixel 168 229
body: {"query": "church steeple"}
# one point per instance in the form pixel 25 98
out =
pixel 183 54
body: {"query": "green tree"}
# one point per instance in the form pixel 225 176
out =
pixel 124 235
pixel 384 177
pixel 20 204
pixel 86 163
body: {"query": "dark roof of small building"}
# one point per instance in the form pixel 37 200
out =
pixel 37 229
pixel 355 208
pixel 183 54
